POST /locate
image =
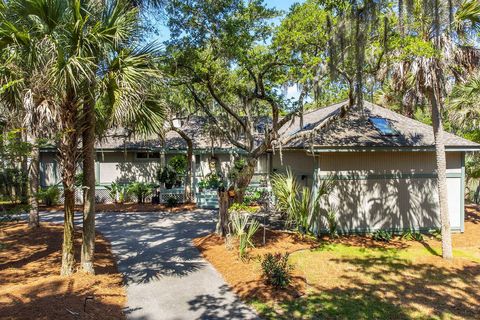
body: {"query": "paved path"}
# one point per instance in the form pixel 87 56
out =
pixel 165 276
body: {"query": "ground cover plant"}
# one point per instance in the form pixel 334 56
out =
pixel 357 277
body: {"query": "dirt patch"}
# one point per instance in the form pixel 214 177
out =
pixel 129 207
pixel 30 284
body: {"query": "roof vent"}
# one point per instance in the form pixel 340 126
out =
pixel 383 126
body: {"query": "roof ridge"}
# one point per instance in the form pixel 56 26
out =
pixel 338 104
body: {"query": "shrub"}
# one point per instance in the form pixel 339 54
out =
pixel 172 202
pixel 178 164
pixel 436 233
pixel 211 181
pixel 241 207
pixel 332 223
pixel 50 195
pixel 412 235
pixel 382 235
pixel 141 190
pixel 168 176
pixel 300 205
pixel 253 196
pixel 113 191
pixel 244 230
pixel 117 192
pixel 276 270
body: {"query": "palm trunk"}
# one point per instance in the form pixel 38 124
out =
pixel 88 235
pixel 68 157
pixel 244 179
pixel 442 176
pixel 33 169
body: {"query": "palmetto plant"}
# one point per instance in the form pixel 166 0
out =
pixel 302 206
pixel 243 228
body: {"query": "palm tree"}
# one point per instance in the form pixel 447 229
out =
pixel 464 104
pixel 77 37
pixel 23 70
pixel 425 72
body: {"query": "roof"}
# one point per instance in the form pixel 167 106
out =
pixel 194 127
pixel 354 130
pixel 333 127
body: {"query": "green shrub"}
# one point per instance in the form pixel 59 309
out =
pixel 49 196
pixel 172 202
pixel 436 233
pixel 178 164
pixel 332 223
pixel 276 270
pixel 253 196
pixel 382 235
pixel 301 206
pixel 411 235
pixel 140 190
pixel 244 230
pixel 79 180
pixel 241 207
pixel 117 192
pixel 211 181
pixel 168 176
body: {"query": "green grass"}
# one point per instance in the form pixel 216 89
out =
pixel 348 282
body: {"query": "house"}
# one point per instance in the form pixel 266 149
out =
pixel 383 164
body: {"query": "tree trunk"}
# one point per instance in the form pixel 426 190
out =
pixel 33 169
pixel 223 204
pixel 68 159
pixel 188 176
pixel 244 178
pixel 442 176
pixel 88 152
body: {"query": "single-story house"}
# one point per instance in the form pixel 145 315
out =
pixel 383 164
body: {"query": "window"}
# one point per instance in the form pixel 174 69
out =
pixel 197 161
pixel 383 126
pixel 154 155
pixel 148 155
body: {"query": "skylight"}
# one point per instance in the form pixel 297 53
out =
pixel 383 126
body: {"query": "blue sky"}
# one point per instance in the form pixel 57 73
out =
pixel 163 35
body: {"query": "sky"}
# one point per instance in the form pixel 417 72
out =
pixel 163 33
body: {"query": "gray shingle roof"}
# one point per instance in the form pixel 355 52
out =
pixel 352 130
pixel 194 128
pixel 355 130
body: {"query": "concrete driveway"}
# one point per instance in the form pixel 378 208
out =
pixel 165 275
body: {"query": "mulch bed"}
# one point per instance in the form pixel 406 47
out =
pixel 30 284
pixel 245 276
pixel 128 207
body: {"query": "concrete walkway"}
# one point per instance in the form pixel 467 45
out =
pixel 166 278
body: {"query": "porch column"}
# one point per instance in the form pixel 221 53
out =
pixel 194 178
pixel 315 185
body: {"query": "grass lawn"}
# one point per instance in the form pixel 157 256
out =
pixel 357 278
